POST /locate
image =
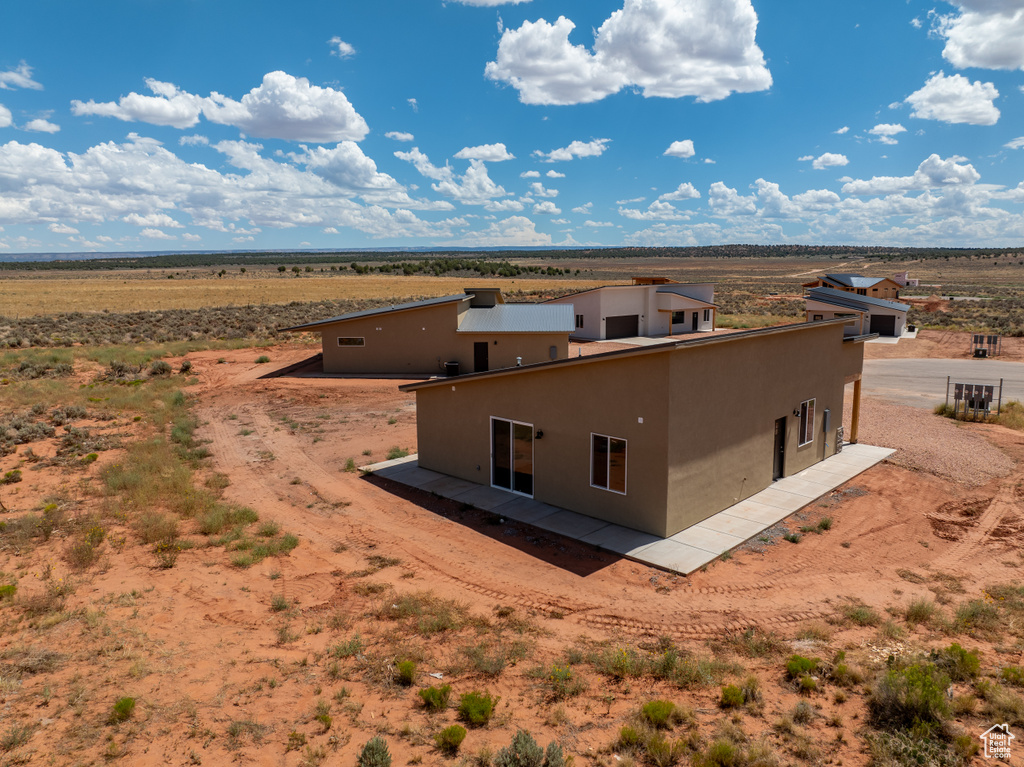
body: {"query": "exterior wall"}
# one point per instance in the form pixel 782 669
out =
pixel 567 404
pixel 722 422
pixel 412 342
pixel 859 326
pixel 699 427
pixel 863 324
pixel 418 342
pixel 887 290
pixel 641 300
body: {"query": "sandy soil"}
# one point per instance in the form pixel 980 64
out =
pixel 200 647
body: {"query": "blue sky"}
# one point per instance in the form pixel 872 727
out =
pixel 225 124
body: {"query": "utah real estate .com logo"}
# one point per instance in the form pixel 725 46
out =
pixel 997 741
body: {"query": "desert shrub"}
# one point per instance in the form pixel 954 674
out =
pixel 523 751
pixel 662 753
pixel 16 737
pixel 660 714
pixel 406 672
pixel 620 662
pixel 802 713
pixel 976 616
pixel 756 644
pixel 159 368
pixel 912 697
pixel 901 748
pixel 7 591
pixel 436 698
pixel 732 697
pixel 477 708
pixel 11 477
pixel 262 359
pixel 861 615
pixel 843 674
pixel 347 649
pixel 919 611
pixel 1013 675
pixel 564 683
pixel 491 660
pixel 375 753
pixel 450 738
pixel 166 552
pixel 396 452
pixel 1001 705
pixel 797 666
pixel 122 710
pixel 186 367
pixel 222 517
pixel 959 663
pixel 153 526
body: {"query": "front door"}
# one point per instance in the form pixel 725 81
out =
pixel 696 323
pixel 512 456
pixel 779 465
pixel 480 357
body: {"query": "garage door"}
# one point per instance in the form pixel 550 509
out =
pixel 883 324
pixel 626 326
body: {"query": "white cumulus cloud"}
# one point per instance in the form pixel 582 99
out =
pixel 485 152
pixel 554 174
pixel 701 48
pixel 340 48
pixel 39 125
pixel 685 191
pixel 933 173
pixel 156 234
pixel 656 211
pixel 19 77
pixel 530 174
pixel 5 117
pixel 546 208
pixel 886 132
pixel 540 190
pixel 682 148
pixel 395 135
pixel 282 106
pixel 829 160
pixel 514 231
pixel 593 148
pixel 1017 143
pixel 955 99
pixel 62 229
pixel 842 130
pixel 986 34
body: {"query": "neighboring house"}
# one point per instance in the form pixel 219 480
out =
pixel 651 306
pixel 872 287
pixel 476 331
pixel 655 438
pixel 904 280
pixel 869 315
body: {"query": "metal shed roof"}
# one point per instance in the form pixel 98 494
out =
pixel 519 318
pixel 852 301
pixel 383 310
pixel 855 280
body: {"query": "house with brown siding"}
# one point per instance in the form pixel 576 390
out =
pixel 865 314
pixel 474 331
pixel 656 438
pixel 650 306
pixel 871 287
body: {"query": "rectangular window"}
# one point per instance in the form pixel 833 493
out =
pixel 806 422
pixel 579 321
pixel 512 456
pixel 707 315
pixel 608 463
pixel 862 291
pixel 350 342
pixel 678 318
pixel 817 317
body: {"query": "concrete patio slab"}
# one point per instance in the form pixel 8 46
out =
pixel 685 551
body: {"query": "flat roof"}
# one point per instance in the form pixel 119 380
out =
pixel 702 340
pixel 519 318
pixel 852 301
pixel 672 284
pixel 383 310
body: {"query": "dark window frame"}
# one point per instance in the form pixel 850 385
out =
pixel 610 474
pixel 351 341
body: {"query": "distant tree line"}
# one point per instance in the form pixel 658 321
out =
pixel 405 261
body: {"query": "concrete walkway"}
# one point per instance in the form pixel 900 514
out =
pixel 685 551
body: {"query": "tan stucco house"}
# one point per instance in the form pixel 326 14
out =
pixel 870 287
pixel 865 314
pixel 474 331
pixel 650 306
pixel 656 438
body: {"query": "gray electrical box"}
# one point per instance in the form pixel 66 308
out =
pixel 826 420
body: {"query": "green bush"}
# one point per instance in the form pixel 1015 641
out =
pixel 1011 674
pixel 406 671
pixel 159 368
pixel 263 359
pixel 732 697
pixel 477 708
pixel 661 753
pixel 375 753
pixel 450 738
pixel 919 611
pixel 913 697
pixel 630 737
pixel 659 713
pixel 436 698
pixel 122 710
pixel 797 666
pixel 959 663
pixel 396 452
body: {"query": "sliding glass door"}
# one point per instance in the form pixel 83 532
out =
pixel 512 456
